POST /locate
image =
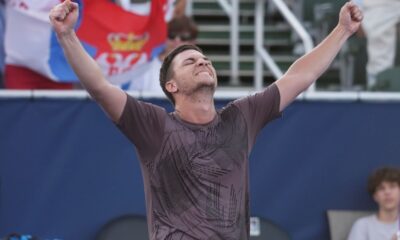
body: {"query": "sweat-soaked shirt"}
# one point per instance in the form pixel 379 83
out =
pixel 196 176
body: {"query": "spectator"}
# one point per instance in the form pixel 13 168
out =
pixel 181 30
pixel 379 25
pixel 384 188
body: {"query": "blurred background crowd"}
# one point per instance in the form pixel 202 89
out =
pixel 129 42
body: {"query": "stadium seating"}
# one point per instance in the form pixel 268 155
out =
pixel 318 16
pixel 214 38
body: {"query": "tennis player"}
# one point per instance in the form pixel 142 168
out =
pixel 195 160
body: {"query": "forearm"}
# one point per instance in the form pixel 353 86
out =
pixel 112 99
pixel 306 70
pixel 180 8
pixel 311 66
pixel 84 66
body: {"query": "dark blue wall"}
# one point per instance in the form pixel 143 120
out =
pixel 65 170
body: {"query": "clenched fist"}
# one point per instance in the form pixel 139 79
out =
pixel 350 17
pixel 63 17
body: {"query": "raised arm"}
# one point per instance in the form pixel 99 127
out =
pixel 180 7
pixel 63 17
pixel 306 70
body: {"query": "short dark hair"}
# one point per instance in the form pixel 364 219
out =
pixel 165 72
pixel 386 174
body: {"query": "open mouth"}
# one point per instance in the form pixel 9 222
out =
pixel 204 72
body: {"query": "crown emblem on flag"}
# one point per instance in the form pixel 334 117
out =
pixel 122 42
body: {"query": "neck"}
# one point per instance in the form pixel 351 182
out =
pixel 388 216
pixel 197 108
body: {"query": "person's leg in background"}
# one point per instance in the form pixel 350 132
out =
pixel 379 25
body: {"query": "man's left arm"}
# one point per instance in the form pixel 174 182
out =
pixel 306 70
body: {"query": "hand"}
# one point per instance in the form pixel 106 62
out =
pixel 350 17
pixel 63 17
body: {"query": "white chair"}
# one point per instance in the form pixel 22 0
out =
pixel 341 221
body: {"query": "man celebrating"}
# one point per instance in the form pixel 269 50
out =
pixel 195 160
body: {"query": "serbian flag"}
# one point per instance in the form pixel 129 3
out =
pixel 122 42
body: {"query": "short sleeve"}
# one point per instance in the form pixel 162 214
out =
pixel 259 109
pixel 358 231
pixel 143 124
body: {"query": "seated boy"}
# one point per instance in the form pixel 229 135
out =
pixel 384 187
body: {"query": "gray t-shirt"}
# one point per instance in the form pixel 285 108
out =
pixel 196 176
pixel 370 228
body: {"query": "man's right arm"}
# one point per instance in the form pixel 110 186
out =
pixel 112 99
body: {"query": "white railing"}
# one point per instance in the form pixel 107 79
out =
pixel 189 8
pixel 261 54
pixel 221 94
pixel 232 10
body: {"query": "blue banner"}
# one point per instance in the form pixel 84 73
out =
pixel 66 170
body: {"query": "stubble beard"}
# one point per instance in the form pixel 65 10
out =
pixel 202 88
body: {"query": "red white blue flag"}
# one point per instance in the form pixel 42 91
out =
pixel 122 42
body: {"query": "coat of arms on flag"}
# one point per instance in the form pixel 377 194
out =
pixel 122 42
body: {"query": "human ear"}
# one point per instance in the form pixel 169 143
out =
pixel 171 86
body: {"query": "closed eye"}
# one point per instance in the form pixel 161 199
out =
pixel 188 61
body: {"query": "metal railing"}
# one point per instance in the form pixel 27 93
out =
pixel 221 94
pixel 232 10
pixel 261 54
